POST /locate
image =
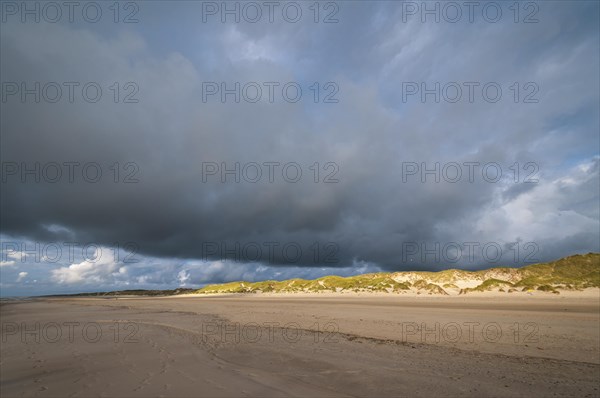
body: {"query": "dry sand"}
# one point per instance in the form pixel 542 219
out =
pixel 311 345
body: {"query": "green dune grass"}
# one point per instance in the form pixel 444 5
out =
pixel 571 273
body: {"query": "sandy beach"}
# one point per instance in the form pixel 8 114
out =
pixel 303 345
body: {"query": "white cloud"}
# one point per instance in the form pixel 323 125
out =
pixel 183 276
pixel 557 215
pixel 7 263
pixel 102 271
pixel 9 257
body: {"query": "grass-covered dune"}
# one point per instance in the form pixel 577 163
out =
pixel 372 282
pixel 570 273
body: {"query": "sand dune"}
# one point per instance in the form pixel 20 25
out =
pixel 567 275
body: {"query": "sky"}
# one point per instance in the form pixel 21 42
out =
pixel 165 144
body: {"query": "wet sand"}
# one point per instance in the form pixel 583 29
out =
pixel 302 345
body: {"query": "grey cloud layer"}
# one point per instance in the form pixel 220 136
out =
pixel 369 133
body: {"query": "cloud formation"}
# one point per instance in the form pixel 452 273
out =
pixel 370 212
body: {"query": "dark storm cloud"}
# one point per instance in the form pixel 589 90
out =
pixel 370 213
